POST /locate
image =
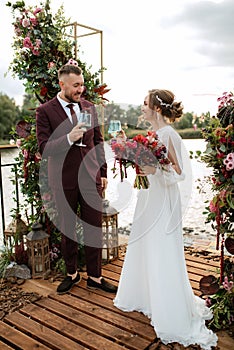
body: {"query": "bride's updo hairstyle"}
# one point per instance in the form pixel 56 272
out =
pixel 164 99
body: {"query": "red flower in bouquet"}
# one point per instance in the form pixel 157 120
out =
pixel 138 152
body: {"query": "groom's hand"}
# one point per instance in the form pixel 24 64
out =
pixel 104 183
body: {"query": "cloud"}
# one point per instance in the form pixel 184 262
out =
pixel 210 28
pixel 10 86
pixel 182 45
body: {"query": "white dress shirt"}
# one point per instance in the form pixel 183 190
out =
pixel 68 112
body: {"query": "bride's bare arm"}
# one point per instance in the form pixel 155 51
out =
pixel 172 157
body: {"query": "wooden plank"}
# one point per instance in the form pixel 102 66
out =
pixel 42 287
pixel 199 262
pixel 110 275
pixel 118 262
pixel 200 272
pixel 69 329
pixel 14 337
pixel 225 341
pixel 102 313
pixel 208 269
pixel 77 319
pixel 202 260
pixel 194 277
pixel 41 333
pixel 100 327
pixel 113 268
pixel 104 300
pixel 195 287
pixel 5 346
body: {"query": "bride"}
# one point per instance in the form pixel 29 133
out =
pixel 154 278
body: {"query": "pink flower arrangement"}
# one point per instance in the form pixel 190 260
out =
pixel 27 43
pixel 38 10
pixel 229 161
pixel 226 99
pixel 212 207
pixel 26 22
pixel 72 62
pixel 219 156
pixel 228 285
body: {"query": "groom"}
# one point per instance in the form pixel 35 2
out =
pixel 76 175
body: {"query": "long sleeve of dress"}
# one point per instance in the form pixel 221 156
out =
pixel 178 186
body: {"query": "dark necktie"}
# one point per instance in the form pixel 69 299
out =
pixel 73 113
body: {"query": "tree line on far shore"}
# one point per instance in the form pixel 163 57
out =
pixel 130 117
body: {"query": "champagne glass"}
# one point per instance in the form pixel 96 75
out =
pixel 84 118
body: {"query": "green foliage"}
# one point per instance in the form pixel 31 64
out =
pixel 6 256
pixel 28 167
pixel 113 111
pixel 40 48
pixel 185 121
pixel 219 157
pixel 29 105
pixel 132 115
pixel 219 150
pixel 60 266
pixel 190 133
pixel 222 302
pixel 226 109
pixel 9 115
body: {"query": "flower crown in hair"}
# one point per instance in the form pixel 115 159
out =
pixel 164 103
pixel 72 62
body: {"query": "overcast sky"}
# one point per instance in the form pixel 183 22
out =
pixel 183 45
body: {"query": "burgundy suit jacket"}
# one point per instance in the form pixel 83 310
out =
pixel 65 162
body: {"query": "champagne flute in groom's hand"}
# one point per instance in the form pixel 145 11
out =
pixel 85 119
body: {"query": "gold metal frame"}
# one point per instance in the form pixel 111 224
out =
pixel 92 31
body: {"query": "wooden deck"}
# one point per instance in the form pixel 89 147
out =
pixel 84 319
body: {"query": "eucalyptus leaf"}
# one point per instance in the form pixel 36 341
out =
pixel 209 150
pixel 222 148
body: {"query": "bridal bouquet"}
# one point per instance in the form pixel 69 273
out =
pixel 138 152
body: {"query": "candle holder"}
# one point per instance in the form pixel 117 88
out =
pixel 38 251
pixel 110 250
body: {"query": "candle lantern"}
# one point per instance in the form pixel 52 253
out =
pixel 110 250
pixel 15 231
pixel 38 251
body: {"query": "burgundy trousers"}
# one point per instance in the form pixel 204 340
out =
pixel 90 202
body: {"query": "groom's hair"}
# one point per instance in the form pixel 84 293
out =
pixel 68 69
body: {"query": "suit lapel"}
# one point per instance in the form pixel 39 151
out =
pixel 59 110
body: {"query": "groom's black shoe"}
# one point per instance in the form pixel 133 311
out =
pixel 104 285
pixel 68 283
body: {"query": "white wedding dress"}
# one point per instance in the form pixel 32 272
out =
pixel 154 278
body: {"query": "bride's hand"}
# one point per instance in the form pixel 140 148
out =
pixel 147 170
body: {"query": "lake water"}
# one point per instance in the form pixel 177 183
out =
pixel 123 197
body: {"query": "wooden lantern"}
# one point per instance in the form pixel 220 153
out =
pixel 110 250
pixel 38 251
pixel 15 231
